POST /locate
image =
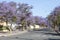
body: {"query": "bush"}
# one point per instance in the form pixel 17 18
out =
pixel 1 27
pixel 5 28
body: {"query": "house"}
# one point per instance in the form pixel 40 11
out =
pixel 34 27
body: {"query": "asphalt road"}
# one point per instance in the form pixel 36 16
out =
pixel 34 35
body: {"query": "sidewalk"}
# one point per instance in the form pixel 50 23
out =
pixel 12 33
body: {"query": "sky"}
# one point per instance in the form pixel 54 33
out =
pixel 40 7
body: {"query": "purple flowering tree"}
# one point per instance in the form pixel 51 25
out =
pixel 7 11
pixel 54 18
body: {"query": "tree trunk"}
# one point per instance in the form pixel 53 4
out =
pixel 8 27
pixel 56 29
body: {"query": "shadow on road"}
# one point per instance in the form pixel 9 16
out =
pixel 52 39
pixel 53 34
pixel 47 32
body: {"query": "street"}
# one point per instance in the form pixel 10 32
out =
pixel 33 35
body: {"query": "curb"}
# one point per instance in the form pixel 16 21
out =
pixel 12 34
